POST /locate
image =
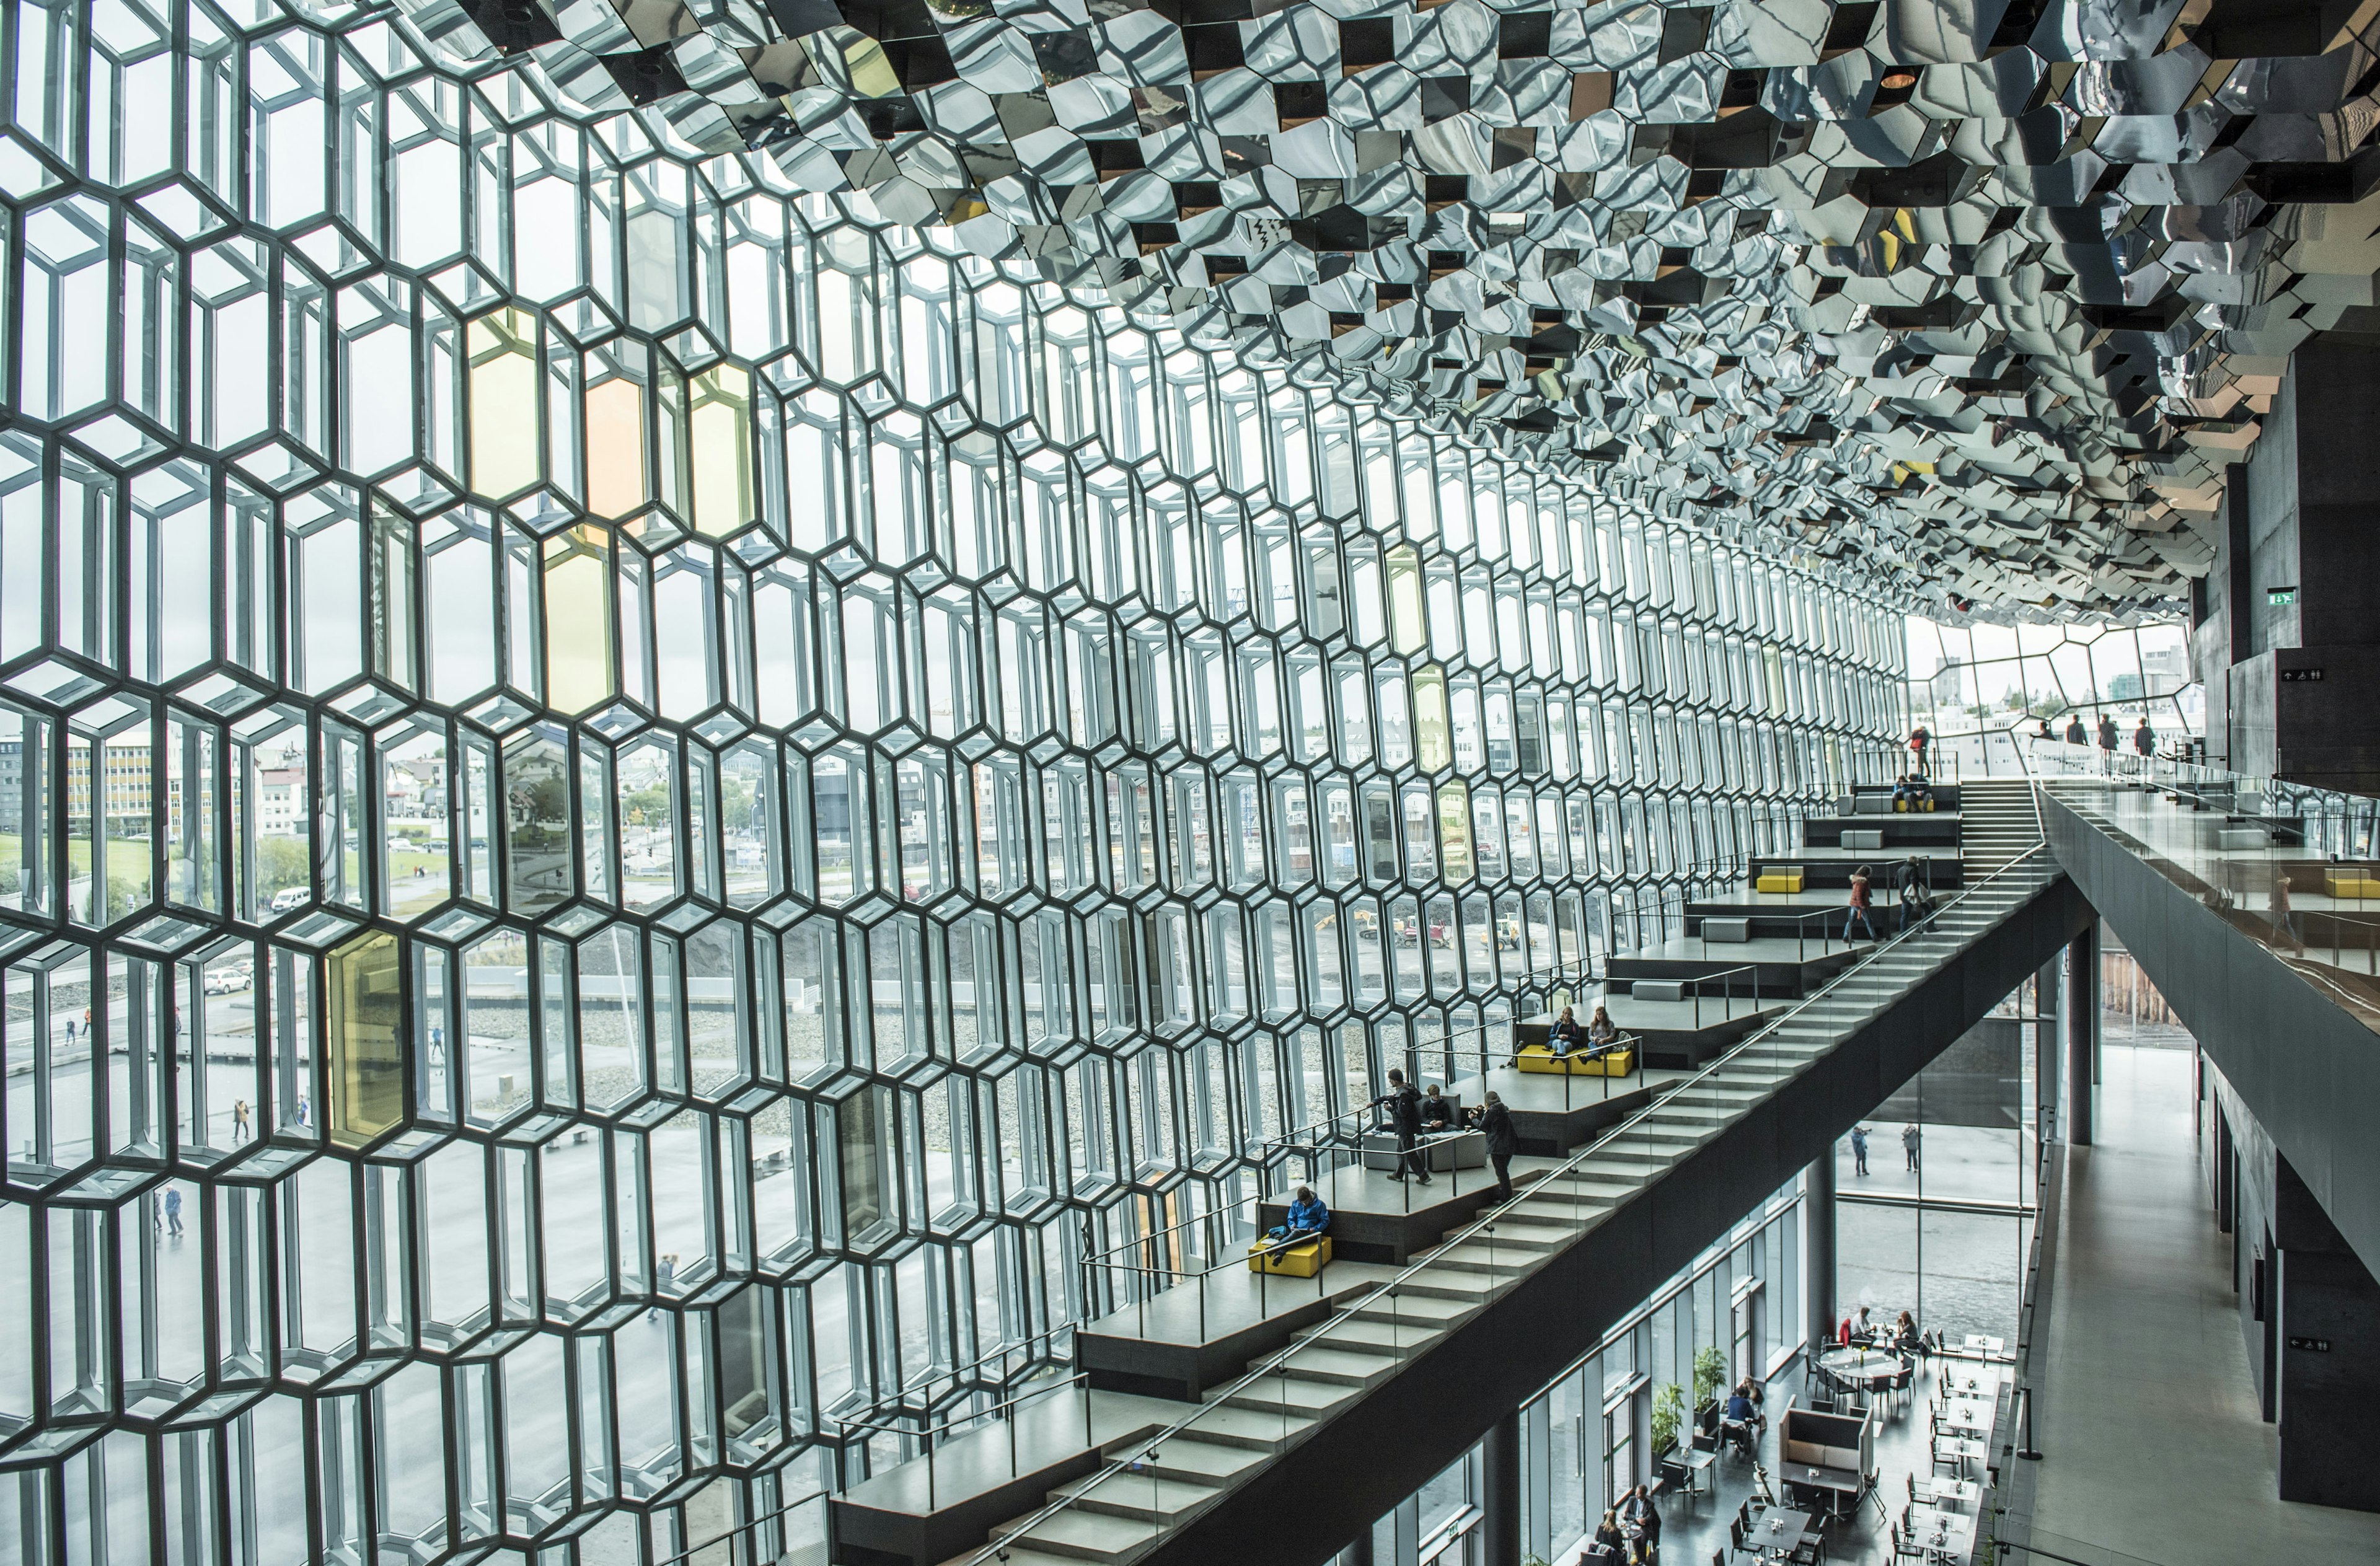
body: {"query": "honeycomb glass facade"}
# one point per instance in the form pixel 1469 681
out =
pixel 636 808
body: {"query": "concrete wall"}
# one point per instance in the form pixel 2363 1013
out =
pixel 2303 512
pixel 2328 1355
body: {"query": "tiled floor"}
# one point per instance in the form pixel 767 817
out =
pixel 2146 1413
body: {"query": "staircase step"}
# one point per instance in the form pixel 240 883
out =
pixel 1225 1424
pixel 1485 1258
pixel 1390 1338
pixel 1140 1497
pixel 1082 1536
pixel 1187 1458
pixel 1271 1394
pixel 1337 1365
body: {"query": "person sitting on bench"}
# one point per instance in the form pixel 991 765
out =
pixel 1601 1031
pixel 1307 1218
pixel 1437 1112
pixel 1564 1036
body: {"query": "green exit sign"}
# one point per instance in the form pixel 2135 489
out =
pixel 2278 596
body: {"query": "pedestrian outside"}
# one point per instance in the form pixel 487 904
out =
pixel 1908 1142
pixel 1859 1149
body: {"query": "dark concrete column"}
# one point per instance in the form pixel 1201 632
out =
pixel 2047 1046
pixel 1818 1254
pixel 2302 578
pixel 2081 1032
pixel 1500 1489
pixel 2327 1353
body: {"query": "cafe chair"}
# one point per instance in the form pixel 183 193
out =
pixel 1902 1549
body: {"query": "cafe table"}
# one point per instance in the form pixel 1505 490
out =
pixel 1950 1534
pixel 1778 1529
pixel 1964 1418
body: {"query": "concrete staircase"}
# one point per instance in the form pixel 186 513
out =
pixel 1148 1501
pixel 1997 823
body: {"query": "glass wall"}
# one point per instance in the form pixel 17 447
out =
pixel 1935 1191
pixel 1981 689
pixel 1591 1435
pixel 1598 1430
pixel 633 809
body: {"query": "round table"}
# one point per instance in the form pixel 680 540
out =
pixel 1861 1367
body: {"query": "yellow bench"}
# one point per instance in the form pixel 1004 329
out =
pixel 1302 1260
pixel 1540 1058
pixel 2350 880
pixel 1902 806
pixel 1779 878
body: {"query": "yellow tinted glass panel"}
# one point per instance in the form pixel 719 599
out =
pixel 577 620
pixel 504 437
pixel 366 1038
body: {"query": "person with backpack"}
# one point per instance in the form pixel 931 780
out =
pixel 1909 881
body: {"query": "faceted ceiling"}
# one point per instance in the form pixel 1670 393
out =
pixel 1978 297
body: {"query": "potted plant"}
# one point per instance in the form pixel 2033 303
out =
pixel 1710 1374
pixel 1669 1416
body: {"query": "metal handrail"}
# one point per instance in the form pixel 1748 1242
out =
pixel 1485 1223
pixel 1727 991
pixel 957 1371
pixel 925 1437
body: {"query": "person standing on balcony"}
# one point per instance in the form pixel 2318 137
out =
pixel 1495 1122
pixel 1404 1105
pixel 1919 742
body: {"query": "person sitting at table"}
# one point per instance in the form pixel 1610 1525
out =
pixel 1641 1521
pixel 1437 1112
pixel 1740 1424
pixel 1906 1338
pixel 1745 1401
pixel 1609 1546
pixel 1601 1031
pixel 1862 1330
pixel 1565 1034
pixel 1306 1219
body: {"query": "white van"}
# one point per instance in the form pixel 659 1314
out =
pixel 288 897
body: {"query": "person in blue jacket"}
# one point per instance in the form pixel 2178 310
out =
pixel 1307 1218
